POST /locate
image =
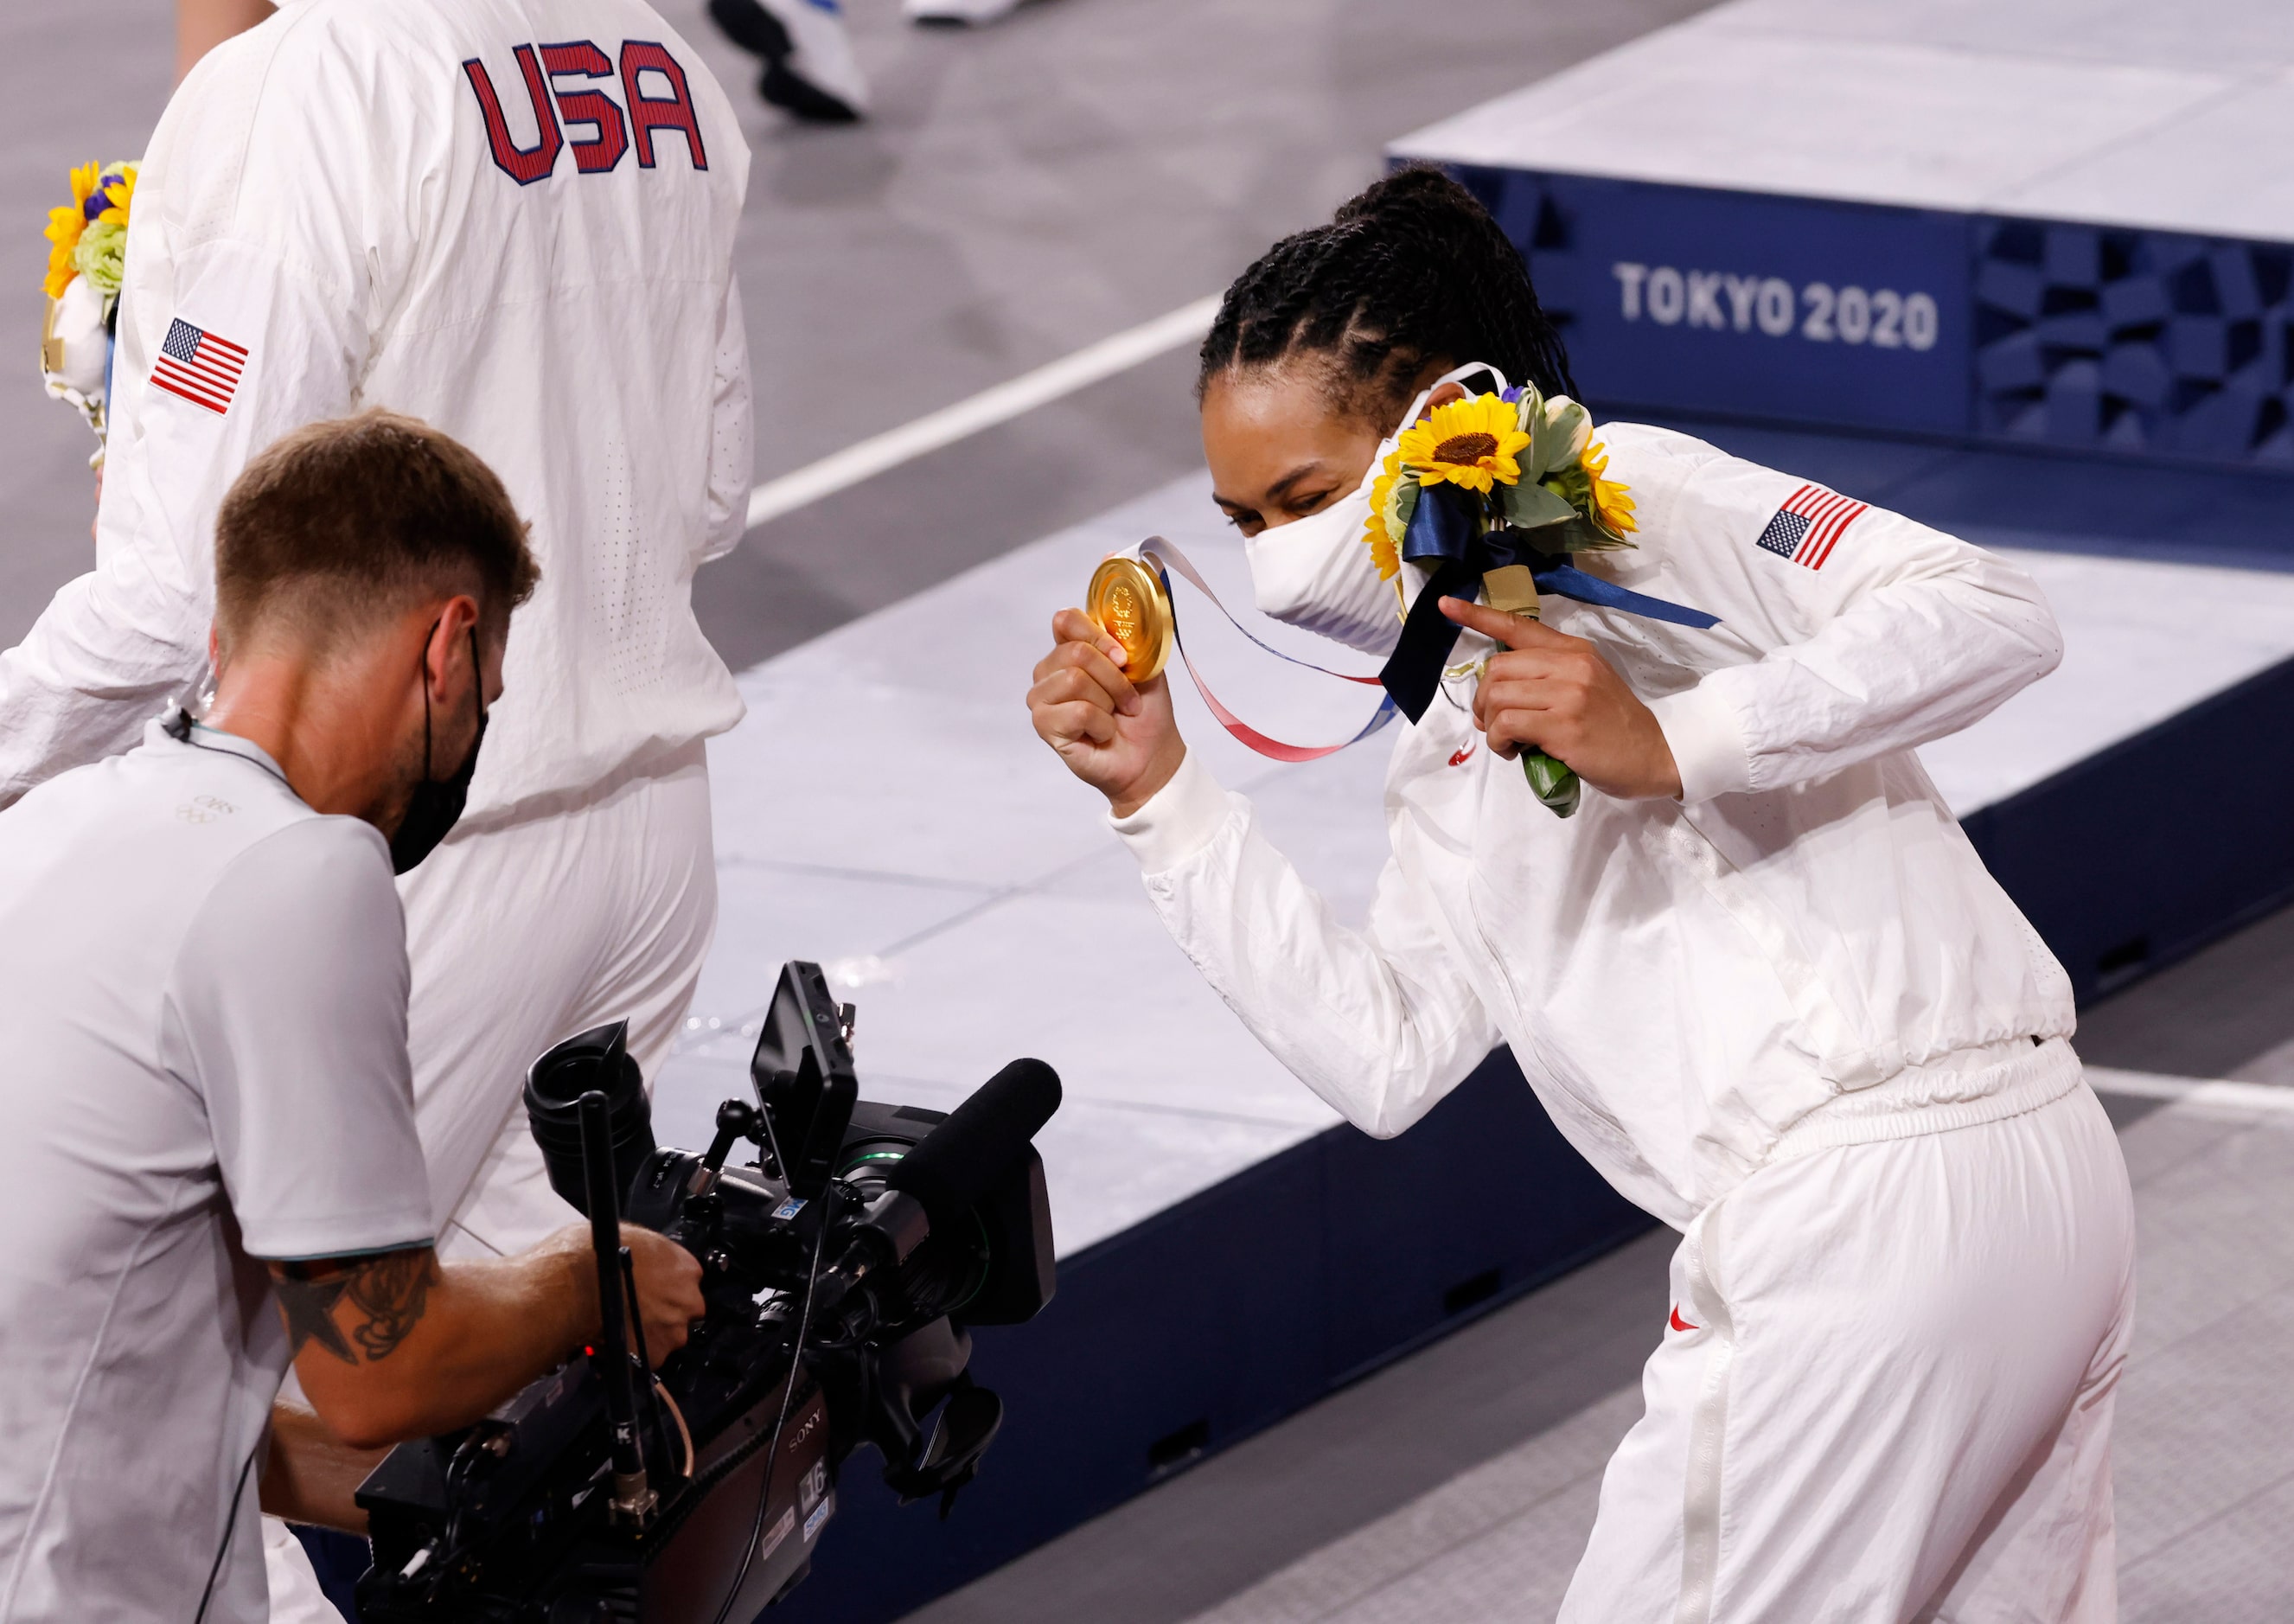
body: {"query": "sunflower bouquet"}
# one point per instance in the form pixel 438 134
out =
pixel 87 253
pixel 1506 482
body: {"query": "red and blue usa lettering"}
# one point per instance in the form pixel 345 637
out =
pixel 524 165
pixel 654 87
pixel 673 112
pixel 581 60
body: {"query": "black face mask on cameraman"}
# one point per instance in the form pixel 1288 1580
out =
pixel 437 804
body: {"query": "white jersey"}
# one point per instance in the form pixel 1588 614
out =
pixel 514 221
pixel 1804 944
pixel 203 984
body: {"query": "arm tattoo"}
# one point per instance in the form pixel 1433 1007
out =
pixel 386 1293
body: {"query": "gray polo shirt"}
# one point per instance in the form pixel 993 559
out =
pixel 202 1066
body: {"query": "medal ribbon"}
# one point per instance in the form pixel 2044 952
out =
pixel 1166 558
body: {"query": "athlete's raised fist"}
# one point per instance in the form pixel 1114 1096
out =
pixel 1121 739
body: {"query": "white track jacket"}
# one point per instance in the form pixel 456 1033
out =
pixel 515 221
pixel 1804 945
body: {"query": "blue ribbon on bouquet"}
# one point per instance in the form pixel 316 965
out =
pixel 1445 534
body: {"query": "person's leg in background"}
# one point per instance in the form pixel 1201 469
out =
pixel 1884 1393
pixel 957 14
pixel 644 969
pixel 520 936
pixel 808 67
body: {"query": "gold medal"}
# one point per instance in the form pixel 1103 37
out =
pixel 1129 600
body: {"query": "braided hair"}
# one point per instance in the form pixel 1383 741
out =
pixel 1411 271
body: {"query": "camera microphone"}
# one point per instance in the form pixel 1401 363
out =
pixel 961 1160
pixel 954 1168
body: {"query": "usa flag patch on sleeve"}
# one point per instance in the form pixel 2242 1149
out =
pixel 1808 525
pixel 200 366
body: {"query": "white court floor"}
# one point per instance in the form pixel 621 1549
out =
pixel 886 810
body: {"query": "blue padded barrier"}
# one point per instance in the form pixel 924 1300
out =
pixel 2146 851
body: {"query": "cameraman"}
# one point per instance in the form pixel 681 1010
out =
pixel 209 1166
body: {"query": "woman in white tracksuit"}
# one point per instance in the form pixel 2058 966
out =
pixel 1760 979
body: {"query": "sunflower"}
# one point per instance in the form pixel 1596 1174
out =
pixel 1612 508
pixel 1468 443
pixel 1376 531
pixel 64 227
pixel 119 194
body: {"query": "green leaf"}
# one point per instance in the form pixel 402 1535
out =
pixel 1528 506
pixel 1555 785
pixel 1400 505
pixel 1579 535
pixel 1529 411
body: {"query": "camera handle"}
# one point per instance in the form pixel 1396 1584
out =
pixel 735 1121
pixel 632 1501
pixel 950 1458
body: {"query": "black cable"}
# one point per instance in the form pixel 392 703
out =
pixel 188 726
pixel 230 1527
pixel 788 1396
pixel 458 1467
pixel 645 1359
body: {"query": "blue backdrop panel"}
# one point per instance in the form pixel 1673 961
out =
pixel 2102 339
pixel 1699 300
pixel 2145 342
pixel 1224 1314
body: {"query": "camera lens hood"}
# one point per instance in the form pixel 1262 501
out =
pixel 597 1059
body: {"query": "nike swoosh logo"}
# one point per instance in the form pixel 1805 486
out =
pixel 1678 1323
pixel 1458 760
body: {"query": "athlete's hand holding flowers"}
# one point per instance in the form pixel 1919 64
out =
pixel 1553 693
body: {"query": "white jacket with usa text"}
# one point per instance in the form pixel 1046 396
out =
pixel 1803 950
pixel 512 220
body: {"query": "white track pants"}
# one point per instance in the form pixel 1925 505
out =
pixel 520 936
pixel 1895 1400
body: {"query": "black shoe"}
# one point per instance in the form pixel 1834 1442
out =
pixel 798 73
pixel 752 28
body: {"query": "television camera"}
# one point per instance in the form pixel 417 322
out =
pixel 842 1270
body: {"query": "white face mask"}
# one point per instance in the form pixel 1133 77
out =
pixel 1317 573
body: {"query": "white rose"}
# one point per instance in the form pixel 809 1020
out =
pixel 76 339
pixel 1581 432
